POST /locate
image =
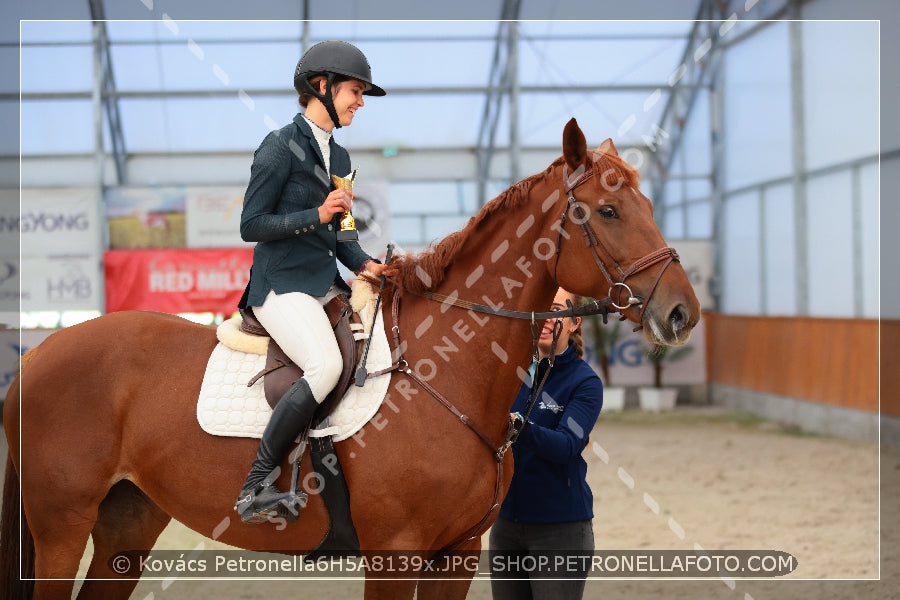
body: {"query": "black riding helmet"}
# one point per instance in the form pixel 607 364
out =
pixel 332 58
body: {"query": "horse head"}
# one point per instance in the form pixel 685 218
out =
pixel 608 242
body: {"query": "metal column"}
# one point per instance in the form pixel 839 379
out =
pixel 512 70
pixel 798 169
pixel 500 81
pixel 108 94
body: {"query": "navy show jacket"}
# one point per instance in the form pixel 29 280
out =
pixel 294 252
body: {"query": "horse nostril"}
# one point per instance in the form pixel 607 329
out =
pixel 678 317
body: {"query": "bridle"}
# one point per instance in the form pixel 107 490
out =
pixel 616 285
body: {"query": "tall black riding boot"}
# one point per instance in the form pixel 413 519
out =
pixel 259 498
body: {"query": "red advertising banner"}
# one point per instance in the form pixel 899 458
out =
pixel 177 280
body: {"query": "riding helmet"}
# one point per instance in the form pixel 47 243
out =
pixel 335 57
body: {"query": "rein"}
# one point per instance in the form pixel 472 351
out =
pixel 596 307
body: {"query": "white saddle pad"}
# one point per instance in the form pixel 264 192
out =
pixel 228 407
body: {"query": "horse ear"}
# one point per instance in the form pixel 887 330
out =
pixel 574 145
pixel 607 147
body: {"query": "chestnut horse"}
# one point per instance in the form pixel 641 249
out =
pixel 103 433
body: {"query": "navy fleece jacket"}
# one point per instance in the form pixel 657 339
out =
pixel 548 484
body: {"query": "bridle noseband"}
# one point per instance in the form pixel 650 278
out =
pixel 616 286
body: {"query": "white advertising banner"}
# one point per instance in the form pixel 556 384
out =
pixel 214 217
pixel 56 283
pixel 9 222
pixel 629 364
pixel 9 284
pixel 696 258
pixel 56 221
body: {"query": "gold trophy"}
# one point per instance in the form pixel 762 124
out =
pixel 347 232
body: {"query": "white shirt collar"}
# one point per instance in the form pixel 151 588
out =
pixel 323 138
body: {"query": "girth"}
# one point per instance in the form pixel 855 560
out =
pixel 281 372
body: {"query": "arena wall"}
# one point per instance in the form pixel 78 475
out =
pixel 825 375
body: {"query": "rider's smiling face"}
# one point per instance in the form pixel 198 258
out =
pixel 348 98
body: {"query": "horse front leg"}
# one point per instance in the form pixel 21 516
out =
pixel 451 577
pixel 393 573
pixel 378 587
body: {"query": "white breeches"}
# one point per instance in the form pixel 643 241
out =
pixel 299 324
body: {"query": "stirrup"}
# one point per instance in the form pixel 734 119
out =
pixel 284 505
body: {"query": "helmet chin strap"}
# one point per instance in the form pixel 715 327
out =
pixel 326 99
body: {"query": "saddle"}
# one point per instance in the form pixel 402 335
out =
pixel 281 372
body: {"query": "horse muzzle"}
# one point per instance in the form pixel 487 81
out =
pixel 670 324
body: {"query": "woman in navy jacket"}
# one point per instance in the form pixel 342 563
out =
pixel 546 515
pixel 291 210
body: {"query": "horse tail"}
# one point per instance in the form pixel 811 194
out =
pixel 15 584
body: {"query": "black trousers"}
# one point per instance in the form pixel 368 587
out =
pixel 540 561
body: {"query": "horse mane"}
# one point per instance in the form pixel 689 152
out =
pixel 425 271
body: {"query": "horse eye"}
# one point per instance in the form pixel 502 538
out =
pixel 608 212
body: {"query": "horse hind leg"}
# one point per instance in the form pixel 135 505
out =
pixel 128 524
pixel 57 553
